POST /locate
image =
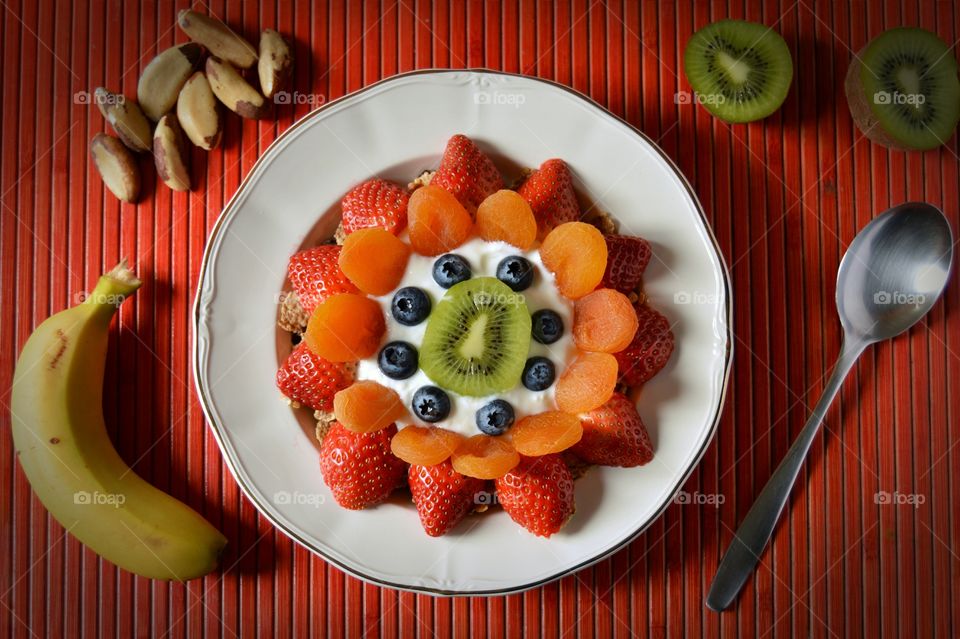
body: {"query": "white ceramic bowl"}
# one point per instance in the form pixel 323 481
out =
pixel 394 129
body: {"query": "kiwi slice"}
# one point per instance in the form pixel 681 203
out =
pixel 740 71
pixel 903 91
pixel 477 338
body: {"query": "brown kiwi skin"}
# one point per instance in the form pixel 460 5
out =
pixel 860 109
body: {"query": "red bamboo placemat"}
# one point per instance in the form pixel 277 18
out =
pixel 785 196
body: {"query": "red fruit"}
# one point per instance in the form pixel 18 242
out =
pixel 627 258
pixel 650 349
pixel 359 468
pixel 549 190
pixel 538 494
pixel 307 378
pixel 467 173
pixel 442 495
pixel 375 203
pixel 315 275
pixel 614 435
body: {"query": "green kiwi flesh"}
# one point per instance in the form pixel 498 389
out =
pixel 740 71
pixel 903 90
pixel 477 338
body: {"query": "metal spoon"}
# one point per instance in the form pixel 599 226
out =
pixel 891 275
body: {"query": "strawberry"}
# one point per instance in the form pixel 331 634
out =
pixel 467 173
pixel 375 203
pixel 549 192
pixel 307 378
pixel 359 468
pixel 614 435
pixel 650 349
pixel 315 275
pixel 538 494
pixel 627 257
pixel 442 495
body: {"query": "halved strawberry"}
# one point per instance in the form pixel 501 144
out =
pixel 307 378
pixel 466 172
pixel 442 495
pixel 359 468
pixel 627 258
pixel 538 494
pixel 373 203
pixel 315 275
pixel 614 435
pixel 650 349
pixel 549 192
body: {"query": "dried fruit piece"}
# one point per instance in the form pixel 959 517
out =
pixel 276 62
pixel 170 154
pixel 425 445
pixel 587 383
pixel 538 494
pixel 442 495
pixel 549 190
pixel 116 166
pixel 627 258
pixel 505 216
pixel 218 38
pixel 359 468
pixel 235 92
pixel 126 118
pixel 614 435
pixel 604 321
pixel 375 260
pixel 650 349
pixel 375 202
pixel 485 457
pixel 438 222
pixel 346 328
pixel 466 172
pixel 576 254
pixel 162 79
pixel 546 433
pixel 367 406
pixel 307 378
pixel 199 112
pixel 315 276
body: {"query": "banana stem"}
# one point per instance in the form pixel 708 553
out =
pixel 112 288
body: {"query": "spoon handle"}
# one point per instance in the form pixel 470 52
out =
pixel 757 527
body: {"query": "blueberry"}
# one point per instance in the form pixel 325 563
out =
pixel 516 272
pixel 538 373
pixel 398 360
pixel 450 269
pixel 410 306
pixel 546 326
pixel 495 417
pixel 430 404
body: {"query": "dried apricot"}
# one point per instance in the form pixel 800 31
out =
pixel 505 216
pixel 545 433
pixel 587 383
pixel 604 321
pixel 366 406
pixel 425 445
pixel 576 254
pixel 374 260
pixel 437 221
pixel 345 328
pixel 485 457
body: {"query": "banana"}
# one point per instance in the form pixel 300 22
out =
pixel 63 447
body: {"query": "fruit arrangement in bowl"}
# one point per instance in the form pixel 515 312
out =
pixel 461 338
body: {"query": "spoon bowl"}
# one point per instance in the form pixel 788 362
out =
pixel 894 271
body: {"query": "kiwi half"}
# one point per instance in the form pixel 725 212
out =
pixel 903 91
pixel 740 71
pixel 477 338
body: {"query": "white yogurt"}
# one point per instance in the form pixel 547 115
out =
pixel 483 258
